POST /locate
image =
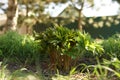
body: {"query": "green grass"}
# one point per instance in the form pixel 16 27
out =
pixel 24 51
pixel 19 74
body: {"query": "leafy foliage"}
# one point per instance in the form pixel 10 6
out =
pixel 67 41
pixel 64 44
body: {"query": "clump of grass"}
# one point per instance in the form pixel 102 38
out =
pixel 17 48
pixel 112 47
pixel 106 70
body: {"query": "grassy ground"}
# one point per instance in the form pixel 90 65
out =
pixel 14 72
pixel 27 67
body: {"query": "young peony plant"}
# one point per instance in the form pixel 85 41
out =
pixel 65 46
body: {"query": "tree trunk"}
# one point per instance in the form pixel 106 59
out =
pixel 12 15
pixel 80 17
pixel 27 10
pixel 79 20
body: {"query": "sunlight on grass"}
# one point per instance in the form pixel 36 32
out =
pixel 26 77
pixel 108 24
pixel 116 22
pixel 5 74
pixel 90 21
pixel 101 23
pixel 95 25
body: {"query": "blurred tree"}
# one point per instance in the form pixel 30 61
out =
pixel 79 6
pixel 1 4
pixel 12 15
pixel 117 1
pixel 34 12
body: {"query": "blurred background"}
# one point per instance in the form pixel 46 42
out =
pixel 100 18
